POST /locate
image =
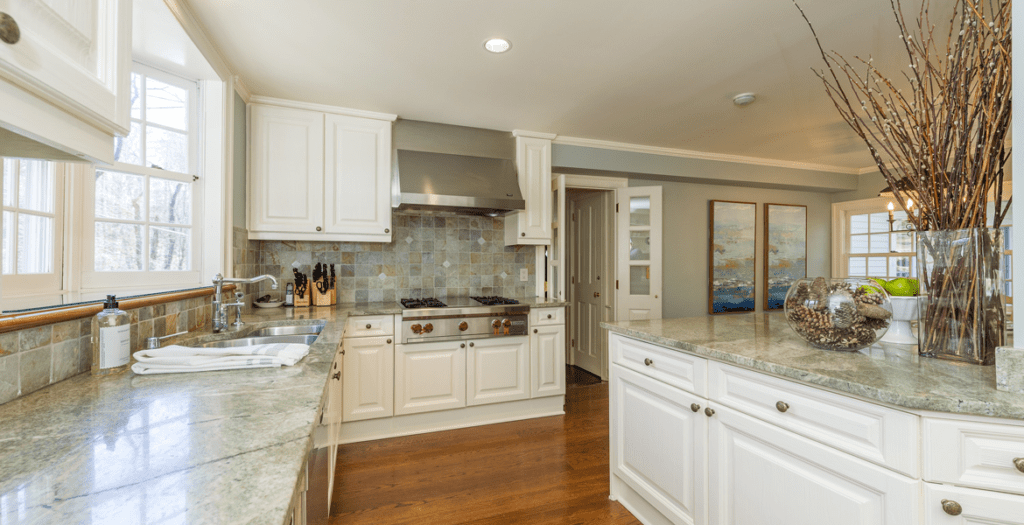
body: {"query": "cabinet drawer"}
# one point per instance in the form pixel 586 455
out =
pixel 370 326
pixel 975 506
pixel 543 316
pixel 875 433
pixel 678 369
pixel 974 454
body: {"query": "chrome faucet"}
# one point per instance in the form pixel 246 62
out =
pixel 220 309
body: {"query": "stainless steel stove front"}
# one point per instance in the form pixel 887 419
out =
pixel 463 323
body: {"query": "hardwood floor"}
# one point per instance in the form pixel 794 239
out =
pixel 552 470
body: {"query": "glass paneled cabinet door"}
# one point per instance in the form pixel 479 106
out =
pixel 638 253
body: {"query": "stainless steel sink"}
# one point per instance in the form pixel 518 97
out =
pixel 289 330
pixel 305 339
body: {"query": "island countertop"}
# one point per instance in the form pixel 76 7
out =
pixel 891 374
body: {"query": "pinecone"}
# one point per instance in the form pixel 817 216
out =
pixel 845 315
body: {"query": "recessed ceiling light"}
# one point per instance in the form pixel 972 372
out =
pixel 744 99
pixel 497 45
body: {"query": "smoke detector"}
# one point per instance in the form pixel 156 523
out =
pixel 744 99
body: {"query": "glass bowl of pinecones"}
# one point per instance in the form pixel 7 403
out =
pixel 838 314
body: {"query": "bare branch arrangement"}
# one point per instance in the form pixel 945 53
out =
pixel 941 145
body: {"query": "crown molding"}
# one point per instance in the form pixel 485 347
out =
pixel 242 89
pixel 869 169
pixel 533 134
pixel 701 155
pixel 323 108
pixel 183 12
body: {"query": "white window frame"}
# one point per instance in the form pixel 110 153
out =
pixel 92 280
pixel 841 212
pixel 20 285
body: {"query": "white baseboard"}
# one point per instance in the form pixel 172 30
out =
pixel 390 427
pixel 635 504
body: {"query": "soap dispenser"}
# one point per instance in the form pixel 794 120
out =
pixel 111 339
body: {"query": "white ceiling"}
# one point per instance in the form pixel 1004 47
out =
pixel 158 40
pixel 651 72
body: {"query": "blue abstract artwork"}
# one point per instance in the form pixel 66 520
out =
pixel 785 251
pixel 732 257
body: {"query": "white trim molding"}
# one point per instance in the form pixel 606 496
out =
pixel 701 155
pixel 589 182
pixel 533 134
pixel 323 108
pixel 242 90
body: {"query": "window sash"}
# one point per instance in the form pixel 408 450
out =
pixel 23 284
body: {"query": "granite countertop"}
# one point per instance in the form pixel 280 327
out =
pixel 892 374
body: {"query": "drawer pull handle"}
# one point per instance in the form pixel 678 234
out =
pixel 709 411
pixel 695 407
pixel 782 406
pixel 1019 463
pixel 951 507
pixel 549 316
pixel 389 341
pixel 648 362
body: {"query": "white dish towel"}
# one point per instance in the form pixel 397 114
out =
pixel 174 359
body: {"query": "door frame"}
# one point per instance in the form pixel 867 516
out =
pixel 588 182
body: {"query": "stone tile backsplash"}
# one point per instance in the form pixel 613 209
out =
pixel 33 358
pixel 433 255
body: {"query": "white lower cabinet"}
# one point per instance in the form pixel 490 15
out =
pixel 369 377
pixel 547 377
pixel 429 377
pixel 948 505
pixel 761 474
pixel 658 443
pixel 498 370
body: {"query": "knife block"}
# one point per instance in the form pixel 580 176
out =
pixel 334 296
pixel 320 299
pixel 302 301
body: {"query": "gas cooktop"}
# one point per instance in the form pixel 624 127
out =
pixel 494 300
pixel 427 302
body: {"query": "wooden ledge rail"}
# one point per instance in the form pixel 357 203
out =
pixel 21 321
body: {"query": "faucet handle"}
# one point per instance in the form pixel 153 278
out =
pixel 239 296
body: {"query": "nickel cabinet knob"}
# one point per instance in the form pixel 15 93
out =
pixel 368 326
pixel 319 228
pixel 782 406
pixel 1019 463
pixel 709 412
pixel 387 230
pixel 951 507
pixel 549 316
pixel 389 341
pixel 522 234
pixel 463 345
pixel 534 330
pixel 648 362
pixel 471 345
pixel 695 407
pixel 10 33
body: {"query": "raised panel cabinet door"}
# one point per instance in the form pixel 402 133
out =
pixel 762 475
pixel 533 162
pixel 547 358
pixel 287 170
pixel 357 184
pixel 76 55
pixel 429 377
pixel 368 378
pixel 498 370
pixel 659 444
pixel 949 505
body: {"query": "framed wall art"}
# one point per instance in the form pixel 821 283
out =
pixel 785 251
pixel 732 257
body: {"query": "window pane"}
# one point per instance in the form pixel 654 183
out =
pixel 640 211
pixel 166 150
pixel 859 223
pixel 1008 237
pixel 858 244
pixel 119 196
pixel 129 149
pixel 8 243
pixel 35 244
pixel 169 248
pixel 903 242
pixel 899 267
pixel 166 104
pixel 1007 267
pixel 118 247
pixel 877 266
pixel 880 243
pixel 858 267
pixel 879 222
pixel 170 201
pixel 640 245
pixel 36 186
pixel 9 174
pixel 136 95
pixel 639 280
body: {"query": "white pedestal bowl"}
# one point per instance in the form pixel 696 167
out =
pixel 904 310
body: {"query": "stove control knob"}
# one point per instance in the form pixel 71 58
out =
pixel 416 328
pixel 463 326
pixel 506 323
pixel 495 323
pixel 428 328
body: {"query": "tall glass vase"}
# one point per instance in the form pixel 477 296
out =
pixel 963 317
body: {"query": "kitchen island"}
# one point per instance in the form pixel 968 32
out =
pixel 736 420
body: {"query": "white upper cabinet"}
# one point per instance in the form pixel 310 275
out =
pixel 318 173
pixel 65 71
pixel 533 162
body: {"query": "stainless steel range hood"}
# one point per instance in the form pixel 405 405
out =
pixel 460 183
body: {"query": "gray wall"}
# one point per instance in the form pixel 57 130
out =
pixel 867 187
pixel 238 191
pixel 686 238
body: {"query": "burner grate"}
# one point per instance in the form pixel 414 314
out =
pixel 494 300
pixel 426 302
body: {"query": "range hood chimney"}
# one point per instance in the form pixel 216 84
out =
pixel 459 183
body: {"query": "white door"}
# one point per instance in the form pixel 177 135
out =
pixel 369 378
pixel 498 369
pixel 287 171
pixel 762 475
pixel 638 261
pixel 357 178
pixel 547 357
pixel 979 507
pixel 659 444
pixel 75 55
pixel 430 377
pixel 591 239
